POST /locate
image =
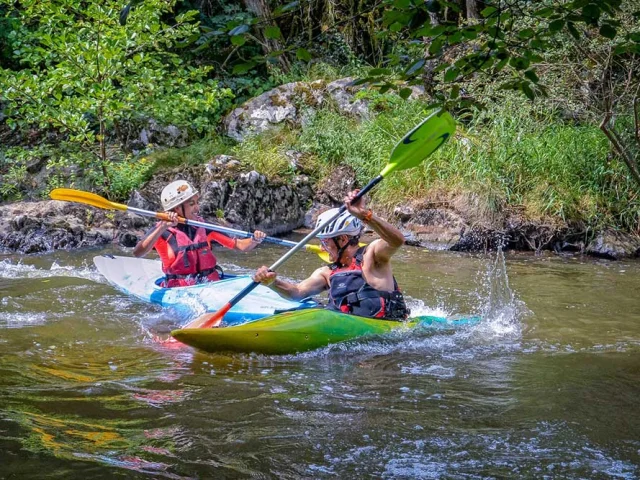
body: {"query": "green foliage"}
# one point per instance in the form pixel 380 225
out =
pixel 127 175
pixel 7 25
pixel 14 177
pixel 266 153
pixel 12 181
pixel 197 153
pixel 80 63
pixel 511 155
pixel 509 40
pixel 336 139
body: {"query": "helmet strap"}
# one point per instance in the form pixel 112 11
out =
pixel 352 241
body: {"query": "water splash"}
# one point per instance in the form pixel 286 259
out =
pixel 19 270
pixel 500 309
pixel 419 309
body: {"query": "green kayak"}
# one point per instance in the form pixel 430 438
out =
pixel 299 331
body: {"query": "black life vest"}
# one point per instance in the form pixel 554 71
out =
pixel 350 293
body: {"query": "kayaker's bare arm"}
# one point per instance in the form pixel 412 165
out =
pixel 145 245
pixel 248 244
pixel 391 239
pixel 315 284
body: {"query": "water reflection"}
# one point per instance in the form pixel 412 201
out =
pixel 544 386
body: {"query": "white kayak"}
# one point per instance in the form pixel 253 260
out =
pixel 141 277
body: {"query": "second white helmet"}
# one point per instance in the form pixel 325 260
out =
pixel 344 224
pixel 175 194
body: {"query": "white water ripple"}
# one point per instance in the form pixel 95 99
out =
pixel 19 270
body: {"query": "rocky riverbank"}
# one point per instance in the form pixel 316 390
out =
pixel 246 199
pixel 249 201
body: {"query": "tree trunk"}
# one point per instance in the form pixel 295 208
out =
pixel 474 7
pixel 430 65
pixel 260 8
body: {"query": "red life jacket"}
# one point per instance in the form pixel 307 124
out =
pixel 187 262
pixel 350 293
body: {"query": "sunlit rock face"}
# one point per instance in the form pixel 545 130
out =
pixel 295 103
pixel 614 245
pixel 235 198
pixel 241 200
pixel 36 227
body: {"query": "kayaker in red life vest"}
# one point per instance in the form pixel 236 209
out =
pixel 185 250
pixel 360 280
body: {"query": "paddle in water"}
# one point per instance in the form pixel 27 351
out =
pixel 88 198
pixel 417 145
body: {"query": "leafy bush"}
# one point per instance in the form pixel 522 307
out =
pixel 80 64
pixel 512 154
pixel 127 175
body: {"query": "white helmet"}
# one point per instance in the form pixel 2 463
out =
pixel 175 194
pixel 344 224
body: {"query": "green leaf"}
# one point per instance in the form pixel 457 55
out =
pixel 402 3
pixel 526 33
pixel 608 31
pixel 573 30
pixel 359 81
pixel 451 74
pixel 435 46
pixel 379 71
pixel 470 33
pixel 415 67
pixel 455 92
pixel 189 41
pixel 531 75
pixel 556 25
pixel 526 89
pixel 238 40
pixel 455 38
pixel 545 12
pixel 591 13
pixel 303 54
pixel 241 68
pixel 501 64
pixel 272 32
pixel 486 12
pixel 405 93
pixel 622 49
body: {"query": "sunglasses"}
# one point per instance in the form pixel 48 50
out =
pixel 328 241
pixel 325 242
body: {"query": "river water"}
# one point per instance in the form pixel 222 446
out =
pixel 547 385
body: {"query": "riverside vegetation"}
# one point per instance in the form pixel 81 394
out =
pixel 75 91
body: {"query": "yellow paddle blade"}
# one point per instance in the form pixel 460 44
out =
pixel 70 195
pixel 317 249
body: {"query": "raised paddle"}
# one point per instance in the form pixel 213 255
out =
pixel 417 145
pixel 78 196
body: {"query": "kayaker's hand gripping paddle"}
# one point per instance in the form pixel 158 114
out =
pixel 417 145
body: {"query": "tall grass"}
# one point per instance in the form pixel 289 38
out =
pixel 515 154
pixel 197 153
